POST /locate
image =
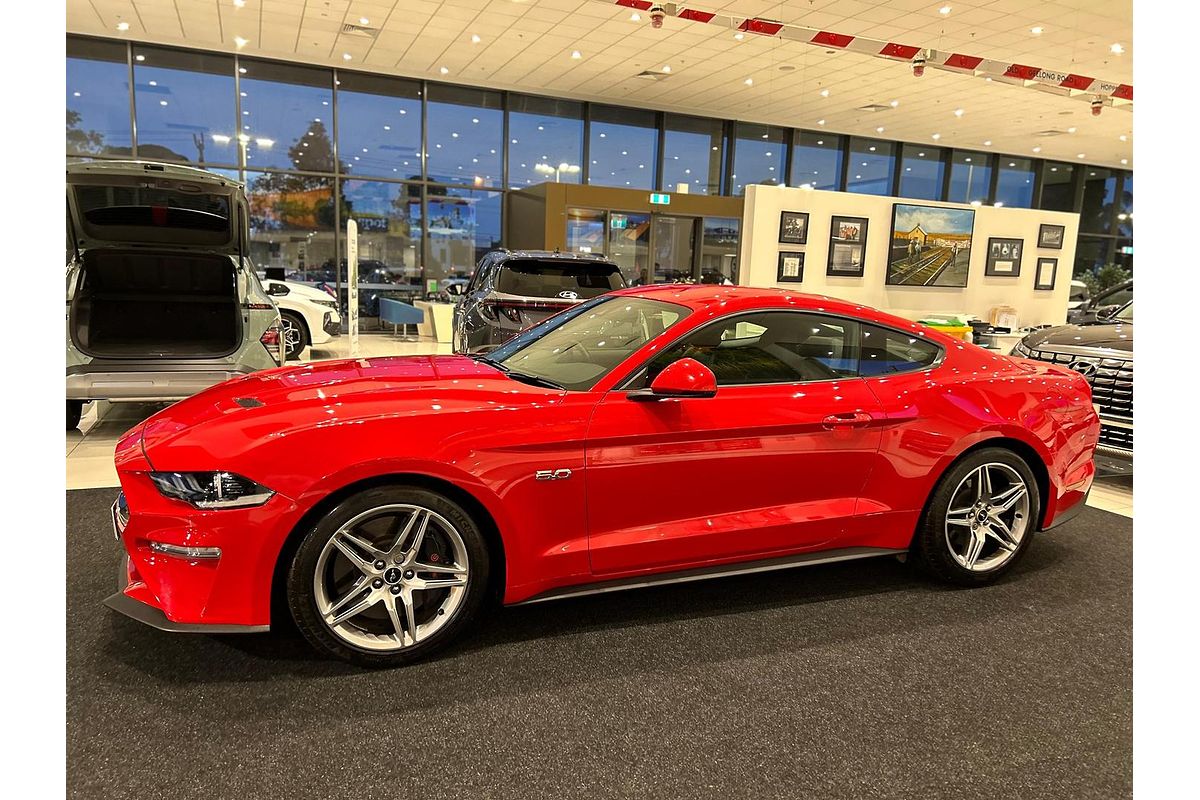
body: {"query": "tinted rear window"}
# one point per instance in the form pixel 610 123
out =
pixel 531 278
pixel 128 213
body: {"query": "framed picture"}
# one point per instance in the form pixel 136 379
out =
pixel 1047 271
pixel 1004 257
pixel 1051 236
pixel 791 267
pixel 847 247
pixel 930 246
pixel 793 227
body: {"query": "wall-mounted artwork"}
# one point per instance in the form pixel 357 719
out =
pixel 1051 236
pixel 1004 257
pixel 1047 272
pixel 791 267
pixel 847 247
pixel 793 227
pixel 930 246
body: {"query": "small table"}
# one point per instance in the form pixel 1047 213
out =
pixel 439 320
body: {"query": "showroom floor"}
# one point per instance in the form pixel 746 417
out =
pixel 90 449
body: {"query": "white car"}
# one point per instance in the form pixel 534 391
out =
pixel 307 315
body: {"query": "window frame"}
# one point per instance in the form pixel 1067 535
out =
pixel 623 384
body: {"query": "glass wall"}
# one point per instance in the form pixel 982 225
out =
pixel 379 125
pixel 817 160
pixel 758 156
pixel 186 106
pixel 98 116
pixel 465 136
pixel 292 223
pixel 1099 194
pixel 629 244
pixel 718 250
pixel 871 165
pixel 585 230
pixel 545 141
pixel 922 172
pixel 623 147
pixel 970 177
pixel 1058 187
pixel 1014 184
pixel 692 150
pixel 287 120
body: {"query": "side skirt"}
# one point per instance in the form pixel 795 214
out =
pixel 719 571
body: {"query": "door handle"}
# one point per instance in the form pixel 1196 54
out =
pixel 858 419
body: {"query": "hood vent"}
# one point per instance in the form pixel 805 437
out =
pixel 359 30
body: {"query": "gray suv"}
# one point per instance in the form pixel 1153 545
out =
pixel 161 301
pixel 514 290
pixel 1103 353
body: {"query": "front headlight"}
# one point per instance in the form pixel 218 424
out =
pixel 327 303
pixel 1019 349
pixel 211 489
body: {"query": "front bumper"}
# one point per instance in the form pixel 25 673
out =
pixel 333 324
pixel 144 384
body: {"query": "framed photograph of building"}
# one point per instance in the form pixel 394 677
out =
pixel 930 246
pixel 793 227
pixel 1004 257
pixel 1051 236
pixel 847 247
pixel 791 267
pixel 1047 272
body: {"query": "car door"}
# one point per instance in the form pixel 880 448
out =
pixel 773 463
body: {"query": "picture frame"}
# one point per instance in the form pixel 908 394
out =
pixel 930 246
pixel 847 247
pixel 1004 257
pixel 1050 237
pixel 790 267
pixel 793 227
pixel 1046 274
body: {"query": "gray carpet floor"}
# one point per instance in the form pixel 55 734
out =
pixel 847 680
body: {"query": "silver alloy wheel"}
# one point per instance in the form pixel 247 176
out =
pixel 391 577
pixel 988 517
pixel 291 335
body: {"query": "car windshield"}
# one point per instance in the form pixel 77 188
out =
pixel 579 346
pixel 124 213
pixel 573 279
pixel 1125 314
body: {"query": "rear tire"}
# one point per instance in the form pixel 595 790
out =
pixel 389 576
pixel 74 412
pixel 295 334
pixel 980 518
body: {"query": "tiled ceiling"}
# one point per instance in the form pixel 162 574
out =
pixel 527 45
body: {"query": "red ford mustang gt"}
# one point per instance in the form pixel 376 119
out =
pixel 655 434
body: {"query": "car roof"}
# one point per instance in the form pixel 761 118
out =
pixel 732 299
pixel 551 255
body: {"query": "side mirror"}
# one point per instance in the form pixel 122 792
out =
pixel 686 377
pixel 278 289
pixel 455 289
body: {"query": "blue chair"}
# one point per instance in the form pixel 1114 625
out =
pixel 397 313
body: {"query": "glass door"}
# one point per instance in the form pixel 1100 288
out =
pixel 673 240
pixel 629 244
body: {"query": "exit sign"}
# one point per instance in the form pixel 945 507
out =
pixel 660 199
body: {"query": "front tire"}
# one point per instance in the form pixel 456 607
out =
pixel 980 518
pixel 389 576
pixel 74 413
pixel 295 334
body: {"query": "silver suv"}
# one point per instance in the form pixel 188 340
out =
pixel 161 301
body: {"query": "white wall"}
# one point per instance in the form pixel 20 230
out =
pixel 760 252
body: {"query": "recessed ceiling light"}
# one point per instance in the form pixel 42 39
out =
pixel 895 103
pixel 1071 130
pixel 239 3
pixel 666 68
pixel 240 42
pixel 1037 149
pixel 1037 30
pixel 140 57
pixel 444 71
pixel 944 10
pixel 122 26
pixel 1123 138
pixel 820 122
pixel 879 129
pixel 242 70
pixel 76 94
pixel 364 21
pixel 937 136
pixel 1117 48
pixel 824 93
pixel 347 56
pixel 635 17
pixel 475 38
pixel 922 155
pixel 749 81
pixel 987 143
pixel 1124 161
pixel 162 102
pixel 739 36
pixel 958 112
pixel 576 54
pixel 1081 155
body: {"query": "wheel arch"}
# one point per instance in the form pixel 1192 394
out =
pixel 299 315
pixel 470 503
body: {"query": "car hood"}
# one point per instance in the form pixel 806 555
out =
pixel 236 414
pixel 1114 336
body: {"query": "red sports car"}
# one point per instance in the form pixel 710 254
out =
pixel 655 434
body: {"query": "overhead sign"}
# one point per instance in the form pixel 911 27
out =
pixel 660 199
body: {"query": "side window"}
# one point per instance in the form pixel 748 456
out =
pixel 769 347
pixel 480 276
pixel 882 351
